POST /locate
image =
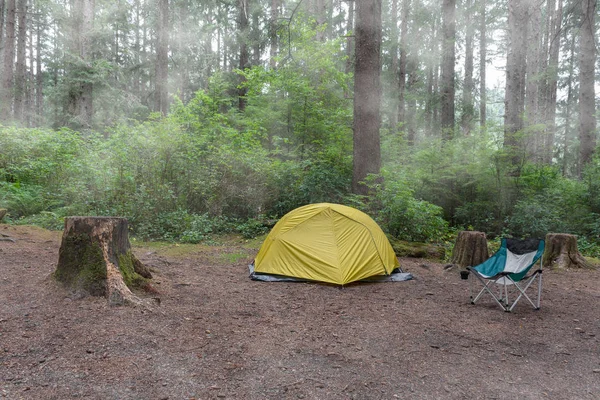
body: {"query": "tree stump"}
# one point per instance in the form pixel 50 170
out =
pixel 561 252
pixel 470 249
pixel 95 258
pixel 3 212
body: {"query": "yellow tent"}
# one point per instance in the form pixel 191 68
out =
pixel 328 243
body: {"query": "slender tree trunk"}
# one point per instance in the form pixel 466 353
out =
pixel 403 61
pixel 468 109
pixel 80 104
pixel 367 94
pixel 350 39
pixel 161 99
pixel 518 15
pixel 568 107
pixel 320 14
pixel 2 8
pixel 411 102
pixel 85 106
pixel 39 79
pixel 273 25
pixel 482 64
pixel 136 53
pixel 144 62
pixel 255 36
pixel 243 43
pixel 20 68
pixel 448 60
pixel 431 86
pixel 394 64
pixel 551 88
pixel 587 97
pixel 6 98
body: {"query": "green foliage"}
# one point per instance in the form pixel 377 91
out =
pixel 402 215
pixel 549 203
pixel 252 228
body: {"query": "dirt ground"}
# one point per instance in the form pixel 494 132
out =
pixel 218 335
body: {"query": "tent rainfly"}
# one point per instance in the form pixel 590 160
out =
pixel 326 242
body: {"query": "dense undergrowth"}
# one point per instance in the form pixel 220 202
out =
pixel 176 184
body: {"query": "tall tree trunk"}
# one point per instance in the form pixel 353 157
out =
pixel 568 107
pixel 448 60
pixel 136 53
pixel 411 103
pixel 367 94
pixel 532 109
pixel 273 26
pixel 144 71
pixel 394 65
pixel 20 67
pixel 551 88
pixel 431 86
pixel 482 64
pixel 468 110
pixel 587 97
pixel 403 61
pixel 243 43
pixel 351 37
pixel 181 53
pixel 518 15
pixel 6 97
pixel 39 79
pixel 85 106
pixel 161 99
pixel 80 105
pixel 255 36
pixel 320 14
pixel 2 8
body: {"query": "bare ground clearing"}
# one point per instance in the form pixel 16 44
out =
pixel 216 334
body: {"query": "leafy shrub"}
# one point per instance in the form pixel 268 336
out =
pixel 252 228
pixel 588 247
pixel 535 218
pixel 23 200
pixel 45 219
pixel 200 227
pixel 403 216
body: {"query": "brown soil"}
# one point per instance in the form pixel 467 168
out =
pixel 217 334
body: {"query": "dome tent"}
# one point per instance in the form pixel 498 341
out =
pixel 325 242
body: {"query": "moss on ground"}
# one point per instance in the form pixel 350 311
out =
pixel 417 250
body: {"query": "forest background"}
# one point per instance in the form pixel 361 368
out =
pixel 195 118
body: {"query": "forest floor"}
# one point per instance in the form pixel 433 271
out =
pixel 218 335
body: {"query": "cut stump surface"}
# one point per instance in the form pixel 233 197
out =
pixel 95 258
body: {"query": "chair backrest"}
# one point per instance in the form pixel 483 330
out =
pixel 514 256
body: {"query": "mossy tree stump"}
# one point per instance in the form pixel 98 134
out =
pixel 95 258
pixel 561 252
pixel 470 249
pixel 3 212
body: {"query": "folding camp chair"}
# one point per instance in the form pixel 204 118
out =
pixel 510 267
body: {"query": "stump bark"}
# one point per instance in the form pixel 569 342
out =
pixel 95 258
pixel 561 252
pixel 470 249
pixel 3 212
